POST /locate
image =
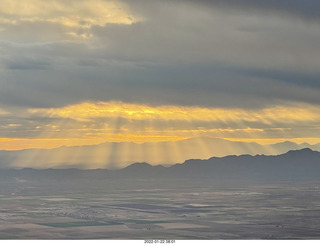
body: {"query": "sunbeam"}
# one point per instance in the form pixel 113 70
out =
pixel 115 134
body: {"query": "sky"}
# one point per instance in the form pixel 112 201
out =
pixel 83 72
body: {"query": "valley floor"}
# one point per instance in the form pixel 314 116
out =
pixel 149 210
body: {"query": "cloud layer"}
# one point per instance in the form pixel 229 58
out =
pixel 219 56
pixel 55 20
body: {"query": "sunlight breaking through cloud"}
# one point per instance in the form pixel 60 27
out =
pixel 76 17
pixel 88 111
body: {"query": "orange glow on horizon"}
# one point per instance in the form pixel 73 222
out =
pixel 93 123
pixel 12 144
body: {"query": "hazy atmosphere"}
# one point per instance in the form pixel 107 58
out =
pixel 86 72
pixel 159 120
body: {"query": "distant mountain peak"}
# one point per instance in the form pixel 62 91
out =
pixel 139 165
pixel 124 153
pixel 288 143
pixel 305 145
pixel 300 151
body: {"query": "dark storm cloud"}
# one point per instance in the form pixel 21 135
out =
pixel 177 32
pixel 26 63
pixel 311 80
pixel 201 85
pixel 307 10
pixel 181 52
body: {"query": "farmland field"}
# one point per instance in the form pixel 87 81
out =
pixel 155 210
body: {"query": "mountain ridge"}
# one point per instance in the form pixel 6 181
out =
pixel 121 154
pixel 233 170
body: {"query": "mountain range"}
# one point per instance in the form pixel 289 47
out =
pixel 114 155
pixel 294 165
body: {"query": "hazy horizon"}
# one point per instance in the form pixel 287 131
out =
pixel 88 72
pixel 104 84
pixel 113 155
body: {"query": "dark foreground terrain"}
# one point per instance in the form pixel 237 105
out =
pixel 145 202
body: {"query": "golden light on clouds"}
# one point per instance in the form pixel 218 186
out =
pixel 124 133
pixel 3 112
pixel 87 111
pixel 76 16
pixel 62 62
pixel 96 122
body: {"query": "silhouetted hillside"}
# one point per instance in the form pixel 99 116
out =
pixel 115 155
pixel 298 165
